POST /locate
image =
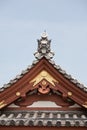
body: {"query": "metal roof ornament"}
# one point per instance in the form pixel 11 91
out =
pixel 43 49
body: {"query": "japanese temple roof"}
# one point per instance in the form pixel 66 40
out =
pixel 45 51
pixel 44 118
pixel 69 89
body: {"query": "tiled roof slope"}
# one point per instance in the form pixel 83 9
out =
pixel 44 118
pixel 45 51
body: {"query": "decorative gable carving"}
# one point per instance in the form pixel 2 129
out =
pixel 44 82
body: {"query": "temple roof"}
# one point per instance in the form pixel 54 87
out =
pixel 44 50
pixel 65 91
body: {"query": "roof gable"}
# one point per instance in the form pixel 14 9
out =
pixel 43 72
pixel 56 80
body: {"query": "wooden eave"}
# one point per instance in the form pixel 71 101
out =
pixel 22 86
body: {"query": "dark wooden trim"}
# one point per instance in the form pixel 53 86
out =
pixel 41 128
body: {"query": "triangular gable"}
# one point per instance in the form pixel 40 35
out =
pixel 43 73
pixel 33 78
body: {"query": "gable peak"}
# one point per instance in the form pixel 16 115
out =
pixel 44 47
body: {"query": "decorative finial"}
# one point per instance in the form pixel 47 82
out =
pixel 44 34
pixel 44 47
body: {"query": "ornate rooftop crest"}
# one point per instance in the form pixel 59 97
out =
pixel 43 49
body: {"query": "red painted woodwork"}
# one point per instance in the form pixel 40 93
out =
pixel 42 128
pixel 30 99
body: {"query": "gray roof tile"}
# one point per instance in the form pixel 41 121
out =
pixel 68 76
pixel 23 118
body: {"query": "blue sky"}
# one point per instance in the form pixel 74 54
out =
pixel 23 21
